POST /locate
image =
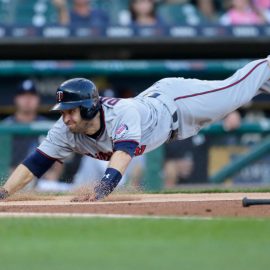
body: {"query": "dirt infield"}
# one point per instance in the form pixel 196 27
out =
pixel 206 205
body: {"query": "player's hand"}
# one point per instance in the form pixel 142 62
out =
pixel 3 193
pixel 85 198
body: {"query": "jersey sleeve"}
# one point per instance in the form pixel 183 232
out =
pixel 126 129
pixel 57 143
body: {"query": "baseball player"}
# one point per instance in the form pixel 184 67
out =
pixel 118 129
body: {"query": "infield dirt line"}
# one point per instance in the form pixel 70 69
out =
pixel 118 199
pixel 168 205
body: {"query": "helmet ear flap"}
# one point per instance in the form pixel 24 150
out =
pixel 89 113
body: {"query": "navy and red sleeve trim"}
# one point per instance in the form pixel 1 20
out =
pixel 128 146
pixel 38 162
pixel 47 156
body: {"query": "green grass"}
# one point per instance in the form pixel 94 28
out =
pixel 82 243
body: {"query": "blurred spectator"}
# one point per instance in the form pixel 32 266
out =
pixel 258 172
pixel 187 161
pixel 232 121
pixel 175 12
pixel 135 172
pixel 81 13
pixel 27 102
pixel 207 10
pixel 245 12
pixel 141 12
pixel 263 4
pixel 254 116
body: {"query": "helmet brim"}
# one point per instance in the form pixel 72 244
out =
pixel 62 106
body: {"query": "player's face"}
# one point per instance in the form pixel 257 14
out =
pixel 75 123
pixel 72 118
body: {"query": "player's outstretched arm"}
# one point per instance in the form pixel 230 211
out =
pixel 120 161
pixel 35 165
pixel 18 179
pixel 116 168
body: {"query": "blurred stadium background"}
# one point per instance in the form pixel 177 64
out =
pixel 125 46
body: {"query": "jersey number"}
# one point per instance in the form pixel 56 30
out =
pixel 139 150
pixel 109 101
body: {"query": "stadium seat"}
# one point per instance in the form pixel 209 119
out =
pixel 41 12
pixel 34 12
pixel 111 7
pixel 5 10
pixel 174 14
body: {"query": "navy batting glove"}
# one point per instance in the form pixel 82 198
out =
pixel 3 193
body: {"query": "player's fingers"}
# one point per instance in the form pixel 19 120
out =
pixel 74 199
pixel 79 199
pixel 86 198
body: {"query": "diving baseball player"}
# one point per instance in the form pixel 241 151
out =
pixel 118 129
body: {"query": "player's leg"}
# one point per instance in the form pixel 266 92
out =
pixel 205 102
pixel 265 88
pixel 247 81
pixel 202 102
pixel 253 76
pixel 227 95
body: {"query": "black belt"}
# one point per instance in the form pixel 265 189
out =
pixel 174 133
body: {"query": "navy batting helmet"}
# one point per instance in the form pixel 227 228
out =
pixel 78 92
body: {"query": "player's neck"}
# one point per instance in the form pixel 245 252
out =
pixel 93 125
pixel 100 125
pixel 92 131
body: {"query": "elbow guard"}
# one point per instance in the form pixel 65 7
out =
pixel 38 163
pixel 126 146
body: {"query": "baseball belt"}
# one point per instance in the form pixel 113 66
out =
pixel 170 105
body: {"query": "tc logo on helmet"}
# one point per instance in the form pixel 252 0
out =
pixel 59 96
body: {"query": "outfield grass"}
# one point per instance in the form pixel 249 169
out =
pixel 82 243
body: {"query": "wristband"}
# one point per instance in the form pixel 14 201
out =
pixel 3 193
pixel 108 183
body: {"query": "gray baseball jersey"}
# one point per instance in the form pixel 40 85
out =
pixel 142 121
pixel 185 105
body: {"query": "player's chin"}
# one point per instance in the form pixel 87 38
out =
pixel 73 129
